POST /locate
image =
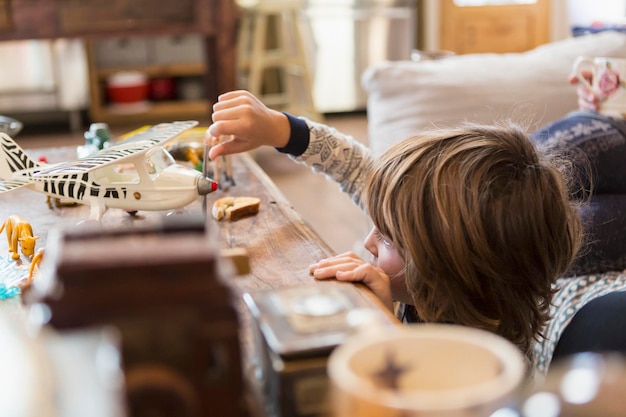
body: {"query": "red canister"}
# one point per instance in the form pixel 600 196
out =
pixel 127 87
pixel 162 89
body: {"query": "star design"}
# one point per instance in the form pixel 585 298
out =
pixel 388 376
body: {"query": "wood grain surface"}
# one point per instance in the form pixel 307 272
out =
pixel 279 244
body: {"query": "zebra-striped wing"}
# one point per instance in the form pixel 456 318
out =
pixel 102 158
pixel 158 134
pixel 13 185
pixel 131 147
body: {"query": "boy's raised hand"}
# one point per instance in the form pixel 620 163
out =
pixel 246 123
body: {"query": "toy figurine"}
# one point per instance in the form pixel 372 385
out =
pixel 99 135
pixel 222 164
pixel 31 270
pixel 187 152
pixel 98 180
pixel 19 234
pixel 53 202
pixel 97 138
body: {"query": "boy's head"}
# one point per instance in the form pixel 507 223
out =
pixel 484 223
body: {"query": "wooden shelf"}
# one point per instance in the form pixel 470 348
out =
pixel 100 110
pixel 214 21
pixel 166 111
pixel 164 70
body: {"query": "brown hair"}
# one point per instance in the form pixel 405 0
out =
pixel 484 222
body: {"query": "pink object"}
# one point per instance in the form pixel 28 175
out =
pixel 609 81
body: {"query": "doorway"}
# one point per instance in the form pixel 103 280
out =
pixel 475 26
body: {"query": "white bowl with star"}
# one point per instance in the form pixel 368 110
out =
pixel 425 370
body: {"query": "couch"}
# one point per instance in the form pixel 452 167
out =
pixel 530 87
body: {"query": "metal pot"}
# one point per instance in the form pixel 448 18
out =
pixel 10 126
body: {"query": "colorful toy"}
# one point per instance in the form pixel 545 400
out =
pixel 8 292
pixel 19 235
pixel 187 152
pixel 97 138
pixel 136 174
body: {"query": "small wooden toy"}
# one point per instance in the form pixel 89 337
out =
pixel 19 235
pixel 234 208
pixel 155 183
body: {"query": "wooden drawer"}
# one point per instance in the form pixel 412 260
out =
pixel 123 52
pixel 178 49
pixel 93 16
pixel 5 16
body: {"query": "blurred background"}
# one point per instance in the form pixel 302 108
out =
pixel 67 82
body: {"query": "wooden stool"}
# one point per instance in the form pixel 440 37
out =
pixel 263 24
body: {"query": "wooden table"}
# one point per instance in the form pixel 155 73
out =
pixel 280 245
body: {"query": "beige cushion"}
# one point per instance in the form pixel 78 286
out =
pixel 405 97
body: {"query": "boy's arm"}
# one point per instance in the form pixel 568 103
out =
pixel 338 156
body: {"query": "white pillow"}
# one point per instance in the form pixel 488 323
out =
pixel 405 97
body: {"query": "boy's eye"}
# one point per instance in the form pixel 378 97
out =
pixel 381 238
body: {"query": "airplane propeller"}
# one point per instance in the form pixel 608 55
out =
pixel 205 184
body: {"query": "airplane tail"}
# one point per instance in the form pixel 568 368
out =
pixel 12 157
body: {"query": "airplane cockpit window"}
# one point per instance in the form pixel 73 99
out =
pixel 157 160
pixel 117 173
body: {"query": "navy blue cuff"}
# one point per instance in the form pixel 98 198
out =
pixel 298 137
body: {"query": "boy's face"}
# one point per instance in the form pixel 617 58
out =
pixel 387 258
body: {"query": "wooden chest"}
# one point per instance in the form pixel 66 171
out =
pixel 162 288
pixel 296 330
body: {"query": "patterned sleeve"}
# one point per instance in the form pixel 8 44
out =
pixel 572 295
pixel 340 157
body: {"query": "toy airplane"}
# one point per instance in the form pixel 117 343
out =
pixel 136 174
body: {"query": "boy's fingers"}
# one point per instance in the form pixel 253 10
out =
pixel 226 148
pixel 227 128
